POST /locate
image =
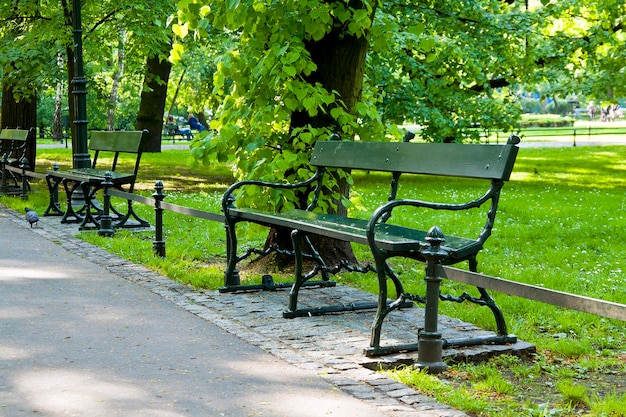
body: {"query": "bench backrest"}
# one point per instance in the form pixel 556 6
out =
pixel 493 162
pixel 19 135
pixel 14 145
pixel 117 142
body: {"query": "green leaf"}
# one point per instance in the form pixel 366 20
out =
pixel 259 7
pixel 180 30
pixel 290 70
pixel 310 105
pixel 291 103
pixel 416 29
pixel 427 44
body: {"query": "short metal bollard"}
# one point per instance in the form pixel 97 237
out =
pixel 3 184
pixel 106 221
pixel 25 167
pixel 55 192
pixel 429 343
pixel 159 244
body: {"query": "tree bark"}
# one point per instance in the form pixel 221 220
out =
pixel 175 97
pixel 57 127
pixel 21 113
pixel 117 76
pixel 153 96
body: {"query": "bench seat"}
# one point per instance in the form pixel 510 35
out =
pixel 389 237
pixel 93 175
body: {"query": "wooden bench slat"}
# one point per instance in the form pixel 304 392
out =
pixel 116 141
pixel 14 134
pixel 474 161
pixel 91 174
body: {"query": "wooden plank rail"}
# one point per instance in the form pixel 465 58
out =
pixel 581 303
pixel 28 173
pixel 589 305
pixel 175 208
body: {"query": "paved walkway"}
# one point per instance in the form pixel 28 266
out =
pixel 86 333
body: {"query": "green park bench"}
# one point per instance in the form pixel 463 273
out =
pixel 491 164
pixel 107 146
pixel 173 130
pixel 13 153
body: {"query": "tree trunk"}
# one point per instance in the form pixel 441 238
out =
pixel 175 97
pixel 153 96
pixel 70 95
pixel 21 113
pixel 57 128
pixel 117 76
pixel 340 60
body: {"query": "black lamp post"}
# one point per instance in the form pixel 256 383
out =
pixel 79 89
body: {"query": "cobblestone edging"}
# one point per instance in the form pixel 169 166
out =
pixel 330 345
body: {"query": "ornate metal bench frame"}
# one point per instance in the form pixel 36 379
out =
pixel 492 163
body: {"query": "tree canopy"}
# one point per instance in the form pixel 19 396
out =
pixel 261 65
pixel 445 66
pixel 37 46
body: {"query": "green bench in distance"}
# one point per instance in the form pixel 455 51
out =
pixel 13 148
pixel 114 144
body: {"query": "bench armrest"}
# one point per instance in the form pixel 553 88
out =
pixel 382 213
pixel 228 199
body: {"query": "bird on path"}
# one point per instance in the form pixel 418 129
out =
pixel 31 216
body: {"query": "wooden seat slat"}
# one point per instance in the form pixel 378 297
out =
pixel 388 237
pixel 471 161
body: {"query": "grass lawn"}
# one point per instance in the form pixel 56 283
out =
pixel 561 224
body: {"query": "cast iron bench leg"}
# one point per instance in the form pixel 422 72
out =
pixel 54 208
pixel 231 275
pixel 490 302
pixel 298 277
pixel 70 215
pixel 123 222
pixel 89 193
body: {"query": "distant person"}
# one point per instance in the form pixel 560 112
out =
pixel 591 110
pixel 194 124
pixel 173 128
pixel 613 111
pixel 609 113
